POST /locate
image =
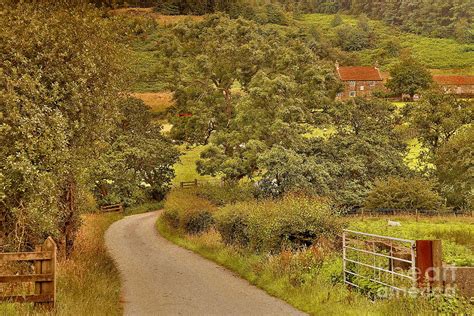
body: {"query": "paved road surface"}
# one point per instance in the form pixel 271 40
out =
pixel 160 278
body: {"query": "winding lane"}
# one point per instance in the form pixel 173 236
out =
pixel 160 278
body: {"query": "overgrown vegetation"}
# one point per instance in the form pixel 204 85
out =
pixel 288 248
pixel 69 127
pixel 88 282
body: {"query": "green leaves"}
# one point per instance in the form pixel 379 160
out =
pixel 409 77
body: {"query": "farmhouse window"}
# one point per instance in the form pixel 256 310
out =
pixel 352 93
pixel 361 88
pixel 339 94
pixel 352 83
pixel 372 83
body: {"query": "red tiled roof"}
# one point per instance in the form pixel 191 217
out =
pixel 358 73
pixel 454 80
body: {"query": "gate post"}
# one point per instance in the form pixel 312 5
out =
pixel 46 267
pixel 429 263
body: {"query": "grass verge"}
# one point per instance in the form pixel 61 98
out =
pixel 315 289
pixel 88 282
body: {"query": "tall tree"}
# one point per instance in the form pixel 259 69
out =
pixel 61 80
pixel 438 117
pixel 139 162
pixel 454 163
pixel 409 77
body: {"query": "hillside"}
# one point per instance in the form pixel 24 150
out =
pixel 441 54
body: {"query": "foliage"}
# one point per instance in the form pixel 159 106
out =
pixel 364 147
pixel 186 211
pixel 232 224
pixel 292 222
pixel 409 77
pixel 139 162
pixel 196 221
pixel 228 193
pixel 60 83
pixel 355 38
pixel 437 118
pixel 403 194
pixel 215 84
pixel 454 162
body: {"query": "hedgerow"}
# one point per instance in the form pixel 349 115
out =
pixel 189 212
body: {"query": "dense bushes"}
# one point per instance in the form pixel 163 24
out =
pixel 189 212
pixel 227 194
pixel 271 225
pixel 293 222
pixel 404 194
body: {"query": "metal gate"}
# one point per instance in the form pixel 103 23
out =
pixel 378 263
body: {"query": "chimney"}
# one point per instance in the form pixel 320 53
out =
pixel 337 64
pixel 376 64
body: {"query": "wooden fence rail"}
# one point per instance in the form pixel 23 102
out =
pixel 196 182
pixel 112 208
pixel 189 184
pixel 44 277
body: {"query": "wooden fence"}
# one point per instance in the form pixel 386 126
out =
pixel 112 208
pixel 196 182
pixel 44 276
pixel 188 184
pixel 397 212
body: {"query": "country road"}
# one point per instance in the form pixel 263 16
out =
pixel 160 278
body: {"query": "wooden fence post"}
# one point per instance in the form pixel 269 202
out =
pixel 429 263
pixel 46 267
pixel 196 182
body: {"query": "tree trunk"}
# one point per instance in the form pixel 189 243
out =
pixel 70 216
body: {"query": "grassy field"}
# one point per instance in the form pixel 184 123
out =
pixel 456 233
pixel 444 55
pixel 186 169
pixel 157 101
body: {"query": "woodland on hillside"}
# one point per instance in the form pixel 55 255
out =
pixel 453 18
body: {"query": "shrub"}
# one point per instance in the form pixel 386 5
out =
pixel 293 222
pixel 197 221
pixel 189 212
pixel 403 194
pixel 227 194
pixel 232 224
pixel 171 216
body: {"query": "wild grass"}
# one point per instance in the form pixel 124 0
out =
pixel 456 233
pixel 158 102
pixel 88 282
pixel 304 280
pixel 185 170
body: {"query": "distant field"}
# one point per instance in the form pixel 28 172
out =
pixel 445 55
pixel 456 233
pixel 186 169
pixel 157 101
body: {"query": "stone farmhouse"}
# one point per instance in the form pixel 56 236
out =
pixel 359 81
pixel 459 85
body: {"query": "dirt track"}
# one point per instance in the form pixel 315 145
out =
pixel 160 278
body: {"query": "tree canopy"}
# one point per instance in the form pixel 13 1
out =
pixel 61 108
